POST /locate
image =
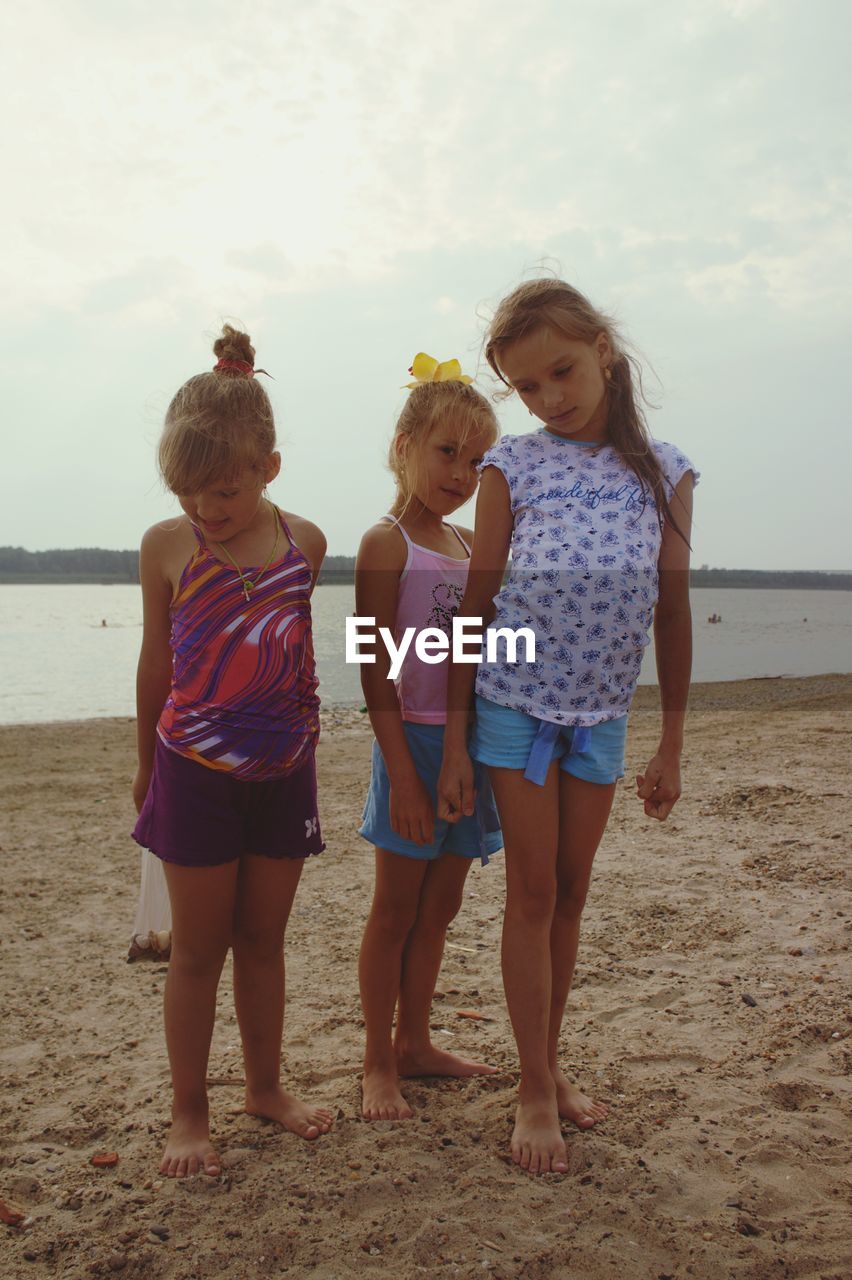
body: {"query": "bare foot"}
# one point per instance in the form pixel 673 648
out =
pixel 188 1149
pixel 576 1106
pixel 381 1098
pixel 299 1117
pixel 537 1143
pixel 432 1061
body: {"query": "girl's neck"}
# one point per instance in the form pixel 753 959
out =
pixel 417 518
pixel 579 444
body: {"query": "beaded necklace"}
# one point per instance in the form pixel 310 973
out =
pixel 249 584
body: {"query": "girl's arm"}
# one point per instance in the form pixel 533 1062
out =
pixel 380 562
pixel 154 673
pixel 492 538
pixel 659 786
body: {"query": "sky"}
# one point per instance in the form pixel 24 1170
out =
pixel 356 182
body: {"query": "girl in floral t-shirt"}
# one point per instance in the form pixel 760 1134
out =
pixel 597 517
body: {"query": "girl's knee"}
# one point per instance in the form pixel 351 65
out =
pixel 571 899
pixel 533 900
pixel 392 919
pixel 437 916
pixel 197 959
pixel 257 943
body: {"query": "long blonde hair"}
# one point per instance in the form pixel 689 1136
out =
pixel 427 406
pixel 219 423
pixel 552 303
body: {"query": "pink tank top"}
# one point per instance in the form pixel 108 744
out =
pixel 430 591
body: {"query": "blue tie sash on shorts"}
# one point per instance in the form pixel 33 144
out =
pixel 541 751
pixel 485 809
pixel 538 762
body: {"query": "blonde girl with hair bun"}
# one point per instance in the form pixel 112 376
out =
pixel 411 571
pixel 227 726
pixel 597 517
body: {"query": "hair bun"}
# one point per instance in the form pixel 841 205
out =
pixel 234 345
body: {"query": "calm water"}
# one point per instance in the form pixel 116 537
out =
pixel 59 663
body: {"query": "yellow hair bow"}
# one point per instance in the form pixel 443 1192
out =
pixel 427 369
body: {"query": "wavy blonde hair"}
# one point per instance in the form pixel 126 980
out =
pixel 431 404
pixel 551 303
pixel 218 424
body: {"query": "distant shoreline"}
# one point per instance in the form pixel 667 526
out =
pixel 766 693
pixel 340 571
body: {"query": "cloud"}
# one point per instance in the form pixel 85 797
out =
pixel 812 277
pixel 347 134
pixel 356 183
pixel 267 260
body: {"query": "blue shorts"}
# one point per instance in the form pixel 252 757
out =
pixel 510 739
pixel 473 837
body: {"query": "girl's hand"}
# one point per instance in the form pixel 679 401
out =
pixel 659 785
pixel 456 795
pixel 411 812
pixel 141 782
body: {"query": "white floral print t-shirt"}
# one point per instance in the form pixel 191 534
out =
pixel 583 577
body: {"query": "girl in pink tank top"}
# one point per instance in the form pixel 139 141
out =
pixel 411 572
pixel 431 586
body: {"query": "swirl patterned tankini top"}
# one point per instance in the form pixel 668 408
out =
pixel 244 689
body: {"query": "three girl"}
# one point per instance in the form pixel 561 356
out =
pixel 597 518
pixel 227 725
pixel 411 572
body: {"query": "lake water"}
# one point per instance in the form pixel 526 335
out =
pixel 59 663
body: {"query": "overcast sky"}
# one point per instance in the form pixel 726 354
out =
pixel 355 182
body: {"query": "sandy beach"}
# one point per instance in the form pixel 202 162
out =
pixel 708 1012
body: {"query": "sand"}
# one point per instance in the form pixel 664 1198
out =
pixel 708 1011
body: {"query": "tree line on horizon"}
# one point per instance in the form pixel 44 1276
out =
pixel 98 565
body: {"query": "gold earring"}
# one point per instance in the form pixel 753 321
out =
pixel 608 373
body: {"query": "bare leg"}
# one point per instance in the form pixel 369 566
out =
pixel 265 892
pixel 202 901
pixel 584 809
pixel 531 848
pixel 440 899
pixel 392 916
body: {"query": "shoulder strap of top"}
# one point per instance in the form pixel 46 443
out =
pixel 460 538
pixel 199 536
pixel 393 520
pixel 409 546
pixel 285 526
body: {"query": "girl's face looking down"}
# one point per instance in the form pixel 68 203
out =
pixel 231 505
pixel 561 380
pixel 445 471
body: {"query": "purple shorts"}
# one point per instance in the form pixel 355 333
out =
pixel 200 817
